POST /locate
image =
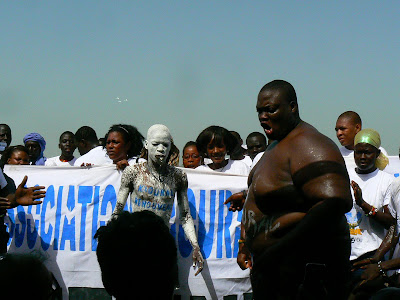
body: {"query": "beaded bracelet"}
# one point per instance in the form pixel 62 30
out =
pixel 241 241
pixel 372 212
pixel 380 269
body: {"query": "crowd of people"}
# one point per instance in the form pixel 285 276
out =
pixel 215 148
pixel 312 228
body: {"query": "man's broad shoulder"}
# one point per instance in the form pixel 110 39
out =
pixel 308 139
pixel 307 145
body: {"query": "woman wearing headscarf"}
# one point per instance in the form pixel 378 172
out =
pixel 36 146
pixel 371 187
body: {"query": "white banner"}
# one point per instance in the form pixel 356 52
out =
pixel 79 201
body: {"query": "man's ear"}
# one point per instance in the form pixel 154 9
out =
pixel 358 127
pixel 293 105
pixel 146 144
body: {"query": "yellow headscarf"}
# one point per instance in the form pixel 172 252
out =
pixel 373 138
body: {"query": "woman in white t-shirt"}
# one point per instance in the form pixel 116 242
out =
pixel 215 143
pixel 123 145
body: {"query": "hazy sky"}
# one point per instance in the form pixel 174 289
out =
pixel 190 64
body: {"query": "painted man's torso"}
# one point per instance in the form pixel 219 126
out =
pixel 152 191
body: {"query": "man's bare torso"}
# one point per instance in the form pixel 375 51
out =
pixel 271 195
pixel 275 204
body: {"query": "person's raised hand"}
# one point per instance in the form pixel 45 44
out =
pixel 236 200
pixel 122 164
pixel 362 264
pixel 29 196
pixel 357 193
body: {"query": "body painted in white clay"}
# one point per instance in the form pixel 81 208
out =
pixel 152 186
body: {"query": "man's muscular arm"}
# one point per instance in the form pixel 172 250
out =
pixel 187 223
pixel 124 190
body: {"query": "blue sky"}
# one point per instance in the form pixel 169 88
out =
pixel 189 65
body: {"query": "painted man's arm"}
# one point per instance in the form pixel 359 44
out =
pixel 123 193
pixel 188 224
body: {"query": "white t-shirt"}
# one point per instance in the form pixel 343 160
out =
pixel 247 160
pixel 394 208
pixel 96 156
pixel 233 167
pixel 55 161
pixel 394 205
pixel 367 234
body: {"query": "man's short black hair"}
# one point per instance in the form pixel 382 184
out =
pixel 282 86
pixel 66 132
pixel 351 115
pixel 257 134
pixel 137 256
pixel 219 134
pixel 86 133
pixel 6 126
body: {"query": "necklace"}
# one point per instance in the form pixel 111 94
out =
pixel 64 160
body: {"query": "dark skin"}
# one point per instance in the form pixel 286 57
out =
pixel 216 152
pixel 365 156
pixel 255 145
pixel 278 191
pixel 22 196
pixel 18 158
pixel 5 134
pixel 117 149
pixel 346 129
pixel 388 243
pixel 191 157
pixel 84 146
pixel 67 146
pixel 239 152
pixel 372 271
pixel 236 201
pixel 34 150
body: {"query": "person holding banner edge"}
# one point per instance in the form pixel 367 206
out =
pixel 153 185
pixel 10 197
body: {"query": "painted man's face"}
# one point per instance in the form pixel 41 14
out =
pixel 158 145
